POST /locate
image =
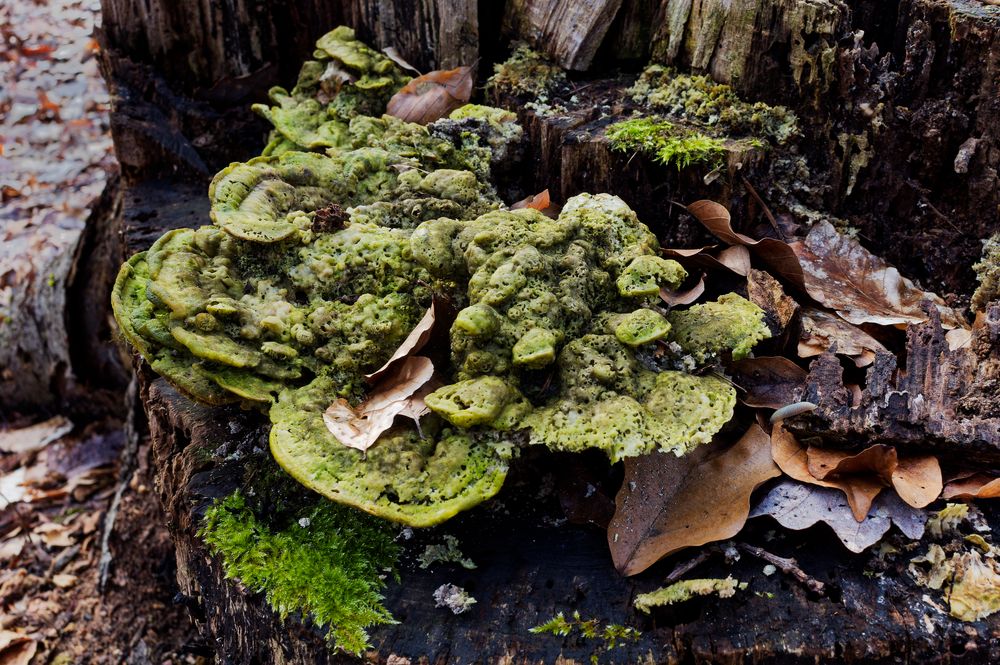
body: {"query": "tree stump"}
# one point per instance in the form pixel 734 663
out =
pixel 901 135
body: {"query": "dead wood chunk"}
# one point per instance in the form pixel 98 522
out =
pixel 942 402
pixel 570 31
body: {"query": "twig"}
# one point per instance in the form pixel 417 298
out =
pixel 683 569
pixel 767 211
pixel 129 457
pixel 787 566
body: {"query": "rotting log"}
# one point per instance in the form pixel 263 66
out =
pixel 177 119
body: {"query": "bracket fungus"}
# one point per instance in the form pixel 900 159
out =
pixel 278 307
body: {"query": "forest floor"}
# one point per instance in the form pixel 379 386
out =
pixel 57 479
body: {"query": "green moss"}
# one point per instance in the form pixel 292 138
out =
pixel 730 324
pixel 327 563
pixel 700 100
pixel 666 142
pixel 526 72
pixel 679 592
pixel 988 274
pixel 610 635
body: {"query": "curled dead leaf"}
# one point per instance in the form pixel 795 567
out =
pixel 539 201
pixel 667 503
pixel 975 486
pixel 432 96
pixel 769 382
pixel 16 648
pixel 842 275
pixel 734 259
pixel 415 341
pixel 685 297
pixel 777 255
pixel 398 394
pixel 822 330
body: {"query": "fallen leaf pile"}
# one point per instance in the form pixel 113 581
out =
pixel 821 291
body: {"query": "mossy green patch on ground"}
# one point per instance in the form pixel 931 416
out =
pixel 666 142
pixel 698 99
pixel 326 562
pixel 526 72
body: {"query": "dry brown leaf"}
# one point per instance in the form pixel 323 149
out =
pixel 776 254
pixel 415 341
pixel 668 503
pixel 779 308
pixel 64 580
pixel 880 460
pixel 842 275
pixel 686 297
pixel 770 382
pixel 733 259
pixel 917 480
pixel 432 96
pixel 361 427
pixel 791 457
pixel 394 55
pixel 16 648
pixel 539 201
pixel 975 486
pixel 821 330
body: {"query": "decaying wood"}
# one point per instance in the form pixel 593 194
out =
pixel 942 401
pixel 570 31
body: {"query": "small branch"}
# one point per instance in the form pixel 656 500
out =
pixel 683 569
pixel 787 566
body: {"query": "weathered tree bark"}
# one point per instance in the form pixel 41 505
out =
pixel 941 402
pixel 900 138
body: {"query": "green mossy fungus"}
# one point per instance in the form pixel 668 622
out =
pixel 289 300
pixel 326 562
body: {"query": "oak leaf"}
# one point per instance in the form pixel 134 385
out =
pixel 776 254
pixel 733 259
pixel 432 96
pixel 769 382
pixel 822 330
pixel 667 503
pixel 860 476
pixel 841 274
pixel 398 394
pixel 798 506
pixel 973 486
pixel 415 341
